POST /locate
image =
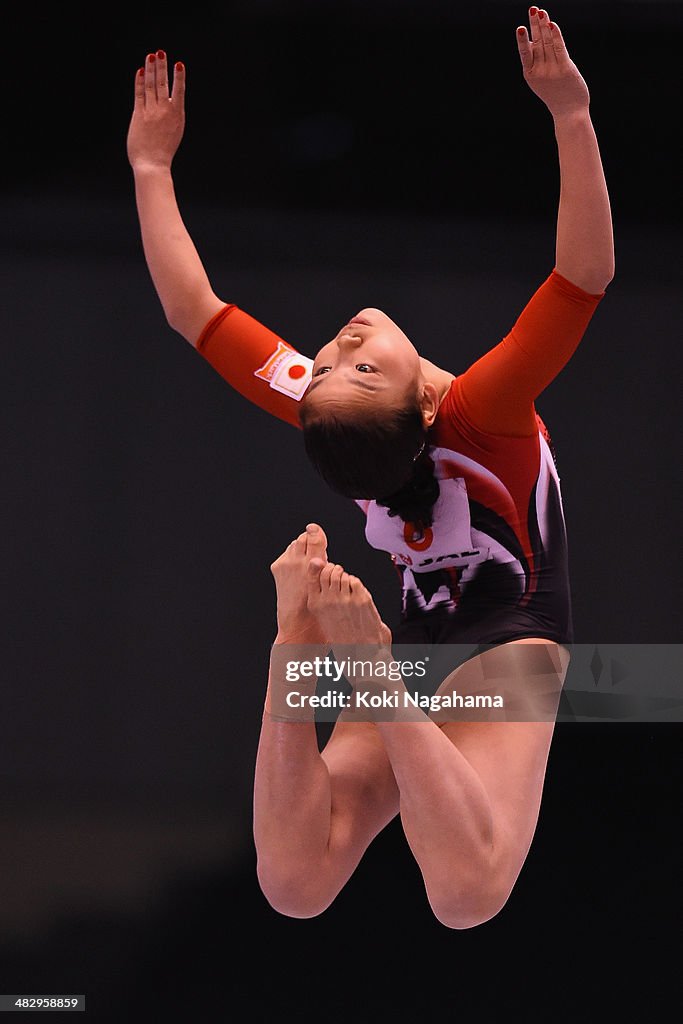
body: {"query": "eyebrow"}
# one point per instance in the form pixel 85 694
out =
pixel 355 380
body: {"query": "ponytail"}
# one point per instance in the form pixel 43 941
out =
pixel 414 503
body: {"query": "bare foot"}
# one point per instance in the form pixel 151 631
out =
pixel 343 606
pixel 295 623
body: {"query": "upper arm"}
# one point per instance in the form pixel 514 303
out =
pixel 497 392
pixel 255 361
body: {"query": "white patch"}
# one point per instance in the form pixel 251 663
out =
pixel 287 371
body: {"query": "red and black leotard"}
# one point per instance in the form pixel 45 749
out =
pixel 493 566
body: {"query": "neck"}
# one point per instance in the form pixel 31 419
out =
pixel 441 379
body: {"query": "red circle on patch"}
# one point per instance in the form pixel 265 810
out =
pixel 409 532
pixel 297 371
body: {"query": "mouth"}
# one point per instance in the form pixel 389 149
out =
pixel 360 320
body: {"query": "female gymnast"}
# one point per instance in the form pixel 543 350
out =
pixel 456 476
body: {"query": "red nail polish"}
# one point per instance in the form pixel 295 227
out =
pixel 152 58
pixel 179 66
pixel 160 54
pixel 540 15
pixel 141 72
pixel 520 31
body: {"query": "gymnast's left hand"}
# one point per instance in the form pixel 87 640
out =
pixel 547 67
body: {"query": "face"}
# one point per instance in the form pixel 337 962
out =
pixel 370 362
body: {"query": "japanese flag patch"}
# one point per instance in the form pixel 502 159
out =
pixel 286 371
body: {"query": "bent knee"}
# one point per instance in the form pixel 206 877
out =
pixel 293 894
pixel 468 909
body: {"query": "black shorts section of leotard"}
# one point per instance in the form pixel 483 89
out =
pixel 444 642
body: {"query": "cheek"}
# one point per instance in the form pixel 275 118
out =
pixel 400 359
pixel 323 356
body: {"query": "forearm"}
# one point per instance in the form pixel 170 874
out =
pixel 585 243
pixel 179 277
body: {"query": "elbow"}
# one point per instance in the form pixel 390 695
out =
pixel 189 313
pixel 177 321
pixel 612 273
pixel 600 276
pixel 596 279
pixel 591 280
pixel 608 277
pixel 598 285
pixel 179 328
pixel 187 326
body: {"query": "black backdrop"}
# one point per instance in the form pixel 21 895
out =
pixel 336 155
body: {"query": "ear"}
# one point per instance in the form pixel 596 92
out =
pixel 429 404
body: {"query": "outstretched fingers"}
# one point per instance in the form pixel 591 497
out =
pixel 150 80
pixel 178 94
pixel 559 45
pixel 546 37
pixel 530 49
pixel 140 88
pixel 161 75
pixel 545 45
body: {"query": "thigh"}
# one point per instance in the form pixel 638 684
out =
pixel 364 793
pixel 510 757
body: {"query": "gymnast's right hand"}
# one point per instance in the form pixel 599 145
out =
pixel 158 120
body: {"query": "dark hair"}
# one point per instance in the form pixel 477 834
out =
pixel 375 457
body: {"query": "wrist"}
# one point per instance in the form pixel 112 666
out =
pixel 576 116
pixel 150 168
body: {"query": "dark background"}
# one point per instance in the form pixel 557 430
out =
pixel 336 155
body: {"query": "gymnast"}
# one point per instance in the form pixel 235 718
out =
pixel 457 477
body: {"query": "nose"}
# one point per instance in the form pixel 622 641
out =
pixel 348 340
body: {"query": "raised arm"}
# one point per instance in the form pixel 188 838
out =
pixel 496 394
pixel 585 244
pixel 154 134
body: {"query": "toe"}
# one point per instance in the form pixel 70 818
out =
pixel 336 577
pixel 358 588
pixel 313 575
pixel 316 541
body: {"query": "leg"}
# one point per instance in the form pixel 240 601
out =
pixel 497 769
pixel 469 791
pixel 314 814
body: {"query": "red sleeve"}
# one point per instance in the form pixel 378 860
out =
pixel 256 362
pixel 496 394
